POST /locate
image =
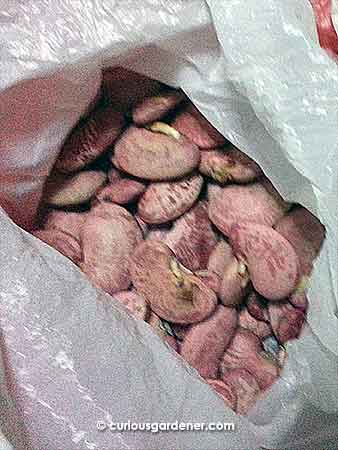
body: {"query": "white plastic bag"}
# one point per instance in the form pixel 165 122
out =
pixel 71 356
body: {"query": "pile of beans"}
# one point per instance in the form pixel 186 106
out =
pixel 185 230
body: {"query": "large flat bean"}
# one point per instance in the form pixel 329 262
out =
pixel 73 190
pixel 205 342
pixel 165 201
pixel 90 139
pixel 197 128
pixel 271 260
pixel 250 203
pixel 172 291
pixel 192 238
pixel 306 234
pixel 155 156
pixel 154 108
pixel 108 243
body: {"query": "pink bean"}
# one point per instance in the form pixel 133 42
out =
pixel 306 234
pixel 299 300
pixel 234 283
pixel 271 260
pixel 214 190
pixel 225 391
pixel 154 108
pixel 90 139
pixel 124 88
pixel 172 291
pixel 165 201
pixel 114 175
pixel 286 321
pixel 275 194
pixel 192 124
pixel 108 242
pixel 95 102
pixel 229 165
pixel 73 190
pixel 257 307
pixel 70 222
pixel 155 156
pixel 261 329
pixel 192 238
pixel 245 385
pixel 134 303
pixel 205 343
pixel 62 241
pixel 121 192
pixel 250 203
pixel 232 275
pixel 246 352
pixel 210 279
pixel 245 169
pixel 142 224
pixel 220 258
pixel 111 212
pixel 158 232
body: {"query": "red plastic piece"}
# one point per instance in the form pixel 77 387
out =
pixel 328 38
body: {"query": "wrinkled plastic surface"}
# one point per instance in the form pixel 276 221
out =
pixel 72 356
